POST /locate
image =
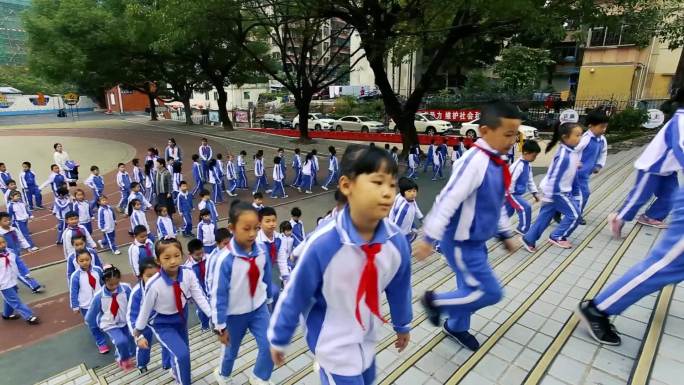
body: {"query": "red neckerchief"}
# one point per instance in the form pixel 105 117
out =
pixel 506 176
pixel 368 285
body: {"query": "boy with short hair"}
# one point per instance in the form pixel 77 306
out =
pixel 198 263
pixel 96 183
pixel 123 180
pixel 30 188
pixel 21 214
pixel 59 209
pixel 136 193
pixel 258 202
pixel 197 174
pixel 184 205
pixel 270 238
pixel 405 212
pixel 15 242
pixel 593 152
pixel 462 220
pixel 298 233
pixel 522 181
pixel 4 177
pixel 141 248
pixel 206 203
pixel 73 228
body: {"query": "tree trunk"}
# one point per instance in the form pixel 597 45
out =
pixel 678 81
pixel 188 109
pixel 223 111
pixel 153 110
pixel 303 104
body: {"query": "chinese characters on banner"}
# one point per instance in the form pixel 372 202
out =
pixel 454 115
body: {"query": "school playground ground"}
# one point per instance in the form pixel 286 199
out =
pixel 530 337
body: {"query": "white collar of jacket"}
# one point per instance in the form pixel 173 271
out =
pixel 571 149
pixel 349 235
pixel 485 146
pixel 168 280
pixel 238 251
pixel 261 237
pixel 107 293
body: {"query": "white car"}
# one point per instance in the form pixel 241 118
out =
pixel 358 123
pixel 469 129
pixel 317 121
pixel 426 123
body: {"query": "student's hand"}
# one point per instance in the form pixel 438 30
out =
pixel 511 244
pixel 142 343
pixel 402 341
pixel 422 249
pixel 224 337
pixel 278 357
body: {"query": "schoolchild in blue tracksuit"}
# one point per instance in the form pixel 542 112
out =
pixel 197 175
pixel 338 280
pixel 463 218
pixel 242 171
pixel 141 249
pixel 395 154
pixel 278 179
pixel 83 284
pixel 413 163
pixel 123 180
pixel 231 176
pixel 221 170
pixel 206 203
pixel 269 237
pixel 298 232
pixel 657 169
pixel 164 223
pixel 5 177
pixel 314 168
pixel 20 214
pixel 215 176
pixel 108 312
pixel 205 231
pixel 15 242
pixel 240 296
pixel 333 169
pixel 84 210
pixel 283 162
pixel 56 180
pixel 296 168
pixel 73 229
pixel 307 174
pixel 137 194
pixel 405 213
pixel 223 237
pixel 197 261
pixel 206 153
pixel 184 207
pixel 592 150
pixel 96 183
pixel 259 173
pixel 79 243
pixel 176 179
pixel 429 156
pixel 27 181
pixel 455 154
pixel 150 179
pixel 9 273
pixel 437 164
pixel 444 151
pixel 556 189
pixel 61 206
pixel 137 218
pixel 164 307
pixel 148 268
pixel 106 222
pixel 522 181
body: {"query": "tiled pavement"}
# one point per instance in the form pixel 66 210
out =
pixel 530 337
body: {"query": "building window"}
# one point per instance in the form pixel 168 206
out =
pixel 206 96
pixel 245 95
pixel 215 95
pixel 112 99
pixel 605 37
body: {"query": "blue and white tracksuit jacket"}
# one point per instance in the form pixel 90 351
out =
pixel 159 312
pixel 106 222
pixel 165 229
pixel 209 205
pixel 233 307
pixel 261 182
pixel 197 177
pixel 216 181
pixel 242 173
pixel 80 292
pixel 307 178
pixel 333 171
pixel 27 182
pixel 55 180
pixel 69 233
pixel 231 177
pixel 278 182
pixel 72 263
pixel 322 290
pixel 99 314
pixel 96 183
pixel 462 221
pixel 205 233
pixel 123 180
pixel 205 153
pixel 16 242
pixel 20 214
pixel 657 172
pixel 297 168
pixel 413 163
pixel 139 251
pixel 522 181
pixel 85 213
pixel 556 188
pixel 138 218
pixel 184 206
pixel 142 356
pixel 298 233
pixel 9 273
pixel 196 268
pixel 6 177
pixel 406 215
pixel 593 152
pixel 429 156
pixel 283 163
pixel 61 206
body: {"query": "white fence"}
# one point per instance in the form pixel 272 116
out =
pixel 30 104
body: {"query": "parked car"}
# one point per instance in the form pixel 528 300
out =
pixel 469 129
pixel 317 121
pixel 275 121
pixel 426 123
pixel 358 123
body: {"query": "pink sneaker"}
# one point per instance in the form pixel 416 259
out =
pixel 528 247
pixel 562 243
pixel 104 349
pixel 128 365
pixel 615 224
pixel 646 221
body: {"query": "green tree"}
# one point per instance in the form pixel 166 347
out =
pixel 522 67
pixel 22 78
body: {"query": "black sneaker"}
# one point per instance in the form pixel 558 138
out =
pixel 11 317
pixel 431 310
pixel 582 222
pixel 143 369
pixel 598 324
pixel 557 217
pixel 33 320
pixel 38 290
pixel 464 339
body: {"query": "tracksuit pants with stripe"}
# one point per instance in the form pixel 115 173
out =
pixel 142 356
pixel 580 190
pixel 567 207
pixel 123 203
pixel 524 215
pixel 217 192
pixel 646 185
pixel 664 265
pixel 365 378
pixel 187 222
pixel 242 178
pixel 232 185
pixel 411 173
pixel 172 333
pixel 123 341
pixel 32 194
pixel 24 275
pixel 23 227
pixel 278 189
pixel 332 178
pixel 298 176
pixel 257 323
pixel 13 303
pixel 261 183
pixel 476 284
pixel 98 335
pixel 110 240
pixel 307 182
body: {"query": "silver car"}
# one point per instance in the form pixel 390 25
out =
pixel 358 123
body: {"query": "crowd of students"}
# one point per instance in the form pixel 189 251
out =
pixel 267 277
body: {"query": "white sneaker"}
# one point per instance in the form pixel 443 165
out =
pixel 99 242
pixel 34 248
pixel 307 192
pixel 117 252
pixel 324 188
pixel 221 380
pixel 268 191
pixel 254 380
pixel 286 196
